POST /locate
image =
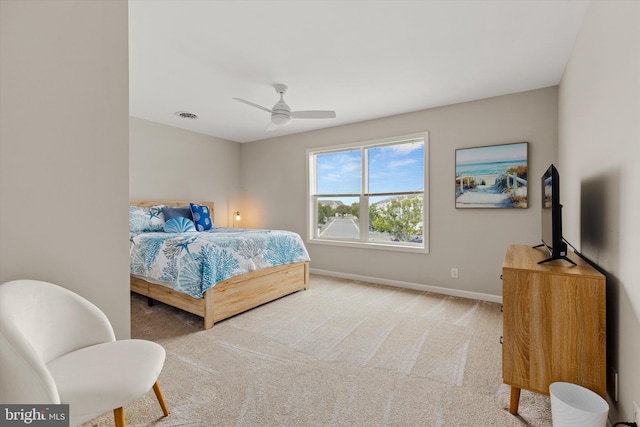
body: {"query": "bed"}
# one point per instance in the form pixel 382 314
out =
pixel 225 298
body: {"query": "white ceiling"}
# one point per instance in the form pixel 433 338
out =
pixel 363 59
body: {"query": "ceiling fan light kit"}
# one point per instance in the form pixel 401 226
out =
pixel 280 119
pixel 281 114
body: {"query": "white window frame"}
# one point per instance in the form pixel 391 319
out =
pixel 363 242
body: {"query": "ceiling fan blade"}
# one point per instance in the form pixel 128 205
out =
pixel 272 127
pixel 254 105
pixel 316 114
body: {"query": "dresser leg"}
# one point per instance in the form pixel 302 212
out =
pixel 515 400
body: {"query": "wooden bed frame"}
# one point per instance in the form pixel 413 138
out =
pixel 232 296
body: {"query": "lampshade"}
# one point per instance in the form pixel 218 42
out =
pixel 237 215
pixel 576 406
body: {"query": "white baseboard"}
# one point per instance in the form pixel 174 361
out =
pixel 409 285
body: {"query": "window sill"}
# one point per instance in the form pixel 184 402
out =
pixel 370 245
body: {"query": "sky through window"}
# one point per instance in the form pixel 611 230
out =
pixel 392 168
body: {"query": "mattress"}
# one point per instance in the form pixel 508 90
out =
pixel 194 262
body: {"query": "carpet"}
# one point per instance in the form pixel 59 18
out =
pixel 343 353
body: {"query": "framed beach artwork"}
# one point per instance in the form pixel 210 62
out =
pixel 493 176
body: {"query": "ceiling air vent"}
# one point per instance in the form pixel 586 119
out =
pixel 186 115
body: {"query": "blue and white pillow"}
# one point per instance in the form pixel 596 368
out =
pixel 179 225
pixel 146 220
pixel 201 217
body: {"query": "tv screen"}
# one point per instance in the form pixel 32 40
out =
pixel 550 197
pixel 552 216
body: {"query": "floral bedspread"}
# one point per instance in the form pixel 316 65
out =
pixel 194 262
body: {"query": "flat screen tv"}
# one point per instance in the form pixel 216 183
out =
pixel 552 216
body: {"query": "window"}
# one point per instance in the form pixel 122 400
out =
pixel 370 194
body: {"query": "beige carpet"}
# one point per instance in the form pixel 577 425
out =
pixel 343 353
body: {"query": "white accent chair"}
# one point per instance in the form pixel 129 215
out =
pixel 57 347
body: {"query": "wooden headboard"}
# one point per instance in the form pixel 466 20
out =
pixel 171 203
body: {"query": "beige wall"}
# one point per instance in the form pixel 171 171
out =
pixel 64 149
pixel 599 152
pixel 474 240
pixel 168 163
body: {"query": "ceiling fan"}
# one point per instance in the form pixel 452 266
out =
pixel 281 114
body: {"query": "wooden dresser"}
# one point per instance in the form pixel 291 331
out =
pixel 554 326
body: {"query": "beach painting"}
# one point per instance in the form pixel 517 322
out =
pixel 493 176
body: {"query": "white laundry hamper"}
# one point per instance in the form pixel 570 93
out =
pixel 576 406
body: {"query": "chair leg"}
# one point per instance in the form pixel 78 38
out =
pixel 118 414
pixel 163 404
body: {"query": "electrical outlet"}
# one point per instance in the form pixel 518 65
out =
pixel 636 413
pixel 454 272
